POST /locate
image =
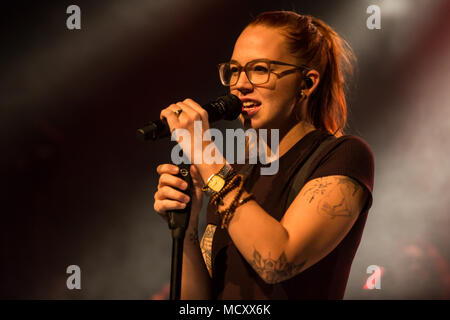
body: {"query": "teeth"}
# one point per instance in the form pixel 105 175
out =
pixel 248 104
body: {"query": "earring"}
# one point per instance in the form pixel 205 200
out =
pixel 302 95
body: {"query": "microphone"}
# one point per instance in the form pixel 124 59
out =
pixel 226 107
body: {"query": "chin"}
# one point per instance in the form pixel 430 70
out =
pixel 255 122
pixel 251 123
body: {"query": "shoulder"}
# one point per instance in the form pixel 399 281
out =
pixel 350 146
pixel 348 155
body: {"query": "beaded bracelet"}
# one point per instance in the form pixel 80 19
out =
pixel 228 213
pixel 217 198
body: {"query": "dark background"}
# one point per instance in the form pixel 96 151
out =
pixel 77 187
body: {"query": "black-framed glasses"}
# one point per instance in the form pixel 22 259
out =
pixel 258 71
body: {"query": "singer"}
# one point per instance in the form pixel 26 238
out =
pixel 289 70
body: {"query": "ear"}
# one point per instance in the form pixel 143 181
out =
pixel 309 86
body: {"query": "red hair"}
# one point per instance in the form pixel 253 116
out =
pixel 319 47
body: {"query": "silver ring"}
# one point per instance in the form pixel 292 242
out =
pixel 178 112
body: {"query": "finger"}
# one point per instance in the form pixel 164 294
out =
pixel 169 193
pixel 172 181
pixel 198 108
pixel 169 111
pixel 167 168
pixel 170 116
pixel 162 206
pixel 188 112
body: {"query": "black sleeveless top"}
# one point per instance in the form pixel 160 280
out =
pixel 234 278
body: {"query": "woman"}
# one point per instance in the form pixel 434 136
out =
pixel 288 69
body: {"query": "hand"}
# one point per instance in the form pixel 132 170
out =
pixel 167 197
pixel 190 112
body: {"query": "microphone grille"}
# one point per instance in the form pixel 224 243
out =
pixel 232 105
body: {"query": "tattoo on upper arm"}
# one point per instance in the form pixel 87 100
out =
pixel 349 182
pixel 206 246
pixel 318 187
pixel 274 270
pixel 335 201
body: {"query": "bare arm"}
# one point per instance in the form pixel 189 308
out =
pixel 196 283
pixel 315 223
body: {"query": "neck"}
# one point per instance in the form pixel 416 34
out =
pixel 295 134
pixel 289 137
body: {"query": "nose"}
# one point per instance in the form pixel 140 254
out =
pixel 243 84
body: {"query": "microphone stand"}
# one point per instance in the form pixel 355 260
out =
pixel 178 222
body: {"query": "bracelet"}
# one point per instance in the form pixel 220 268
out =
pixel 245 200
pixel 217 198
pixel 226 173
pixel 228 213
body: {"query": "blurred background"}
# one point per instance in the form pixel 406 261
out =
pixel 77 187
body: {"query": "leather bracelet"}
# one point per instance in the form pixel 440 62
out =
pixel 226 173
pixel 245 200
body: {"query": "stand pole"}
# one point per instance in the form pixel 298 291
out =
pixel 177 263
pixel 178 223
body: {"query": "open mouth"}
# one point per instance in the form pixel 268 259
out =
pixel 250 107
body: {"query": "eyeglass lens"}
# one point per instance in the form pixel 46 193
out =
pixel 257 72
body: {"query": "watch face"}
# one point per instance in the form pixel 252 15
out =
pixel 216 183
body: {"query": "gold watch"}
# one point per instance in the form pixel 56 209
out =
pixel 217 181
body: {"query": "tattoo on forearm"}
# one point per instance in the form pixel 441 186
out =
pixel 274 270
pixel 193 236
pixel 334 202
pixel 206 245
